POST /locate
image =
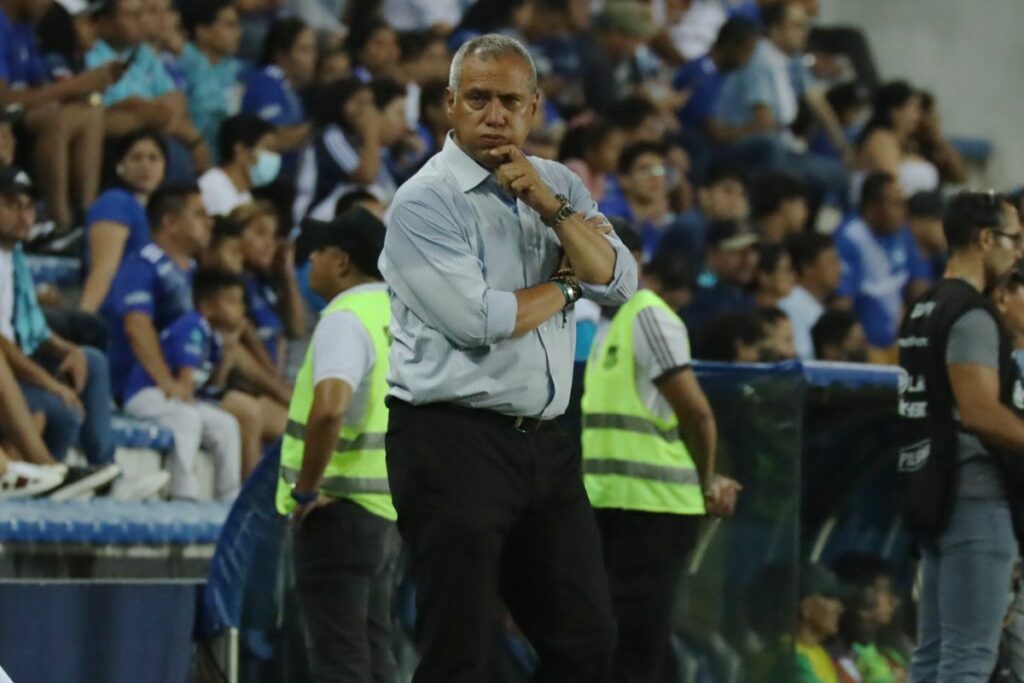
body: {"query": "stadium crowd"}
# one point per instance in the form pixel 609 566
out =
pixel 786 198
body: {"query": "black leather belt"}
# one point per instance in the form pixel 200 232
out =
pixel 518 423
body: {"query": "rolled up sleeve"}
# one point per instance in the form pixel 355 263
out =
pixel 430 266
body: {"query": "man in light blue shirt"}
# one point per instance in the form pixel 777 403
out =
pixel 488 491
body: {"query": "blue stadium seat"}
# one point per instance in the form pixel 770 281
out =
pixel 59 271
pixel 132 433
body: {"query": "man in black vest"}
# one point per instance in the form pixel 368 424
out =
pixel 959 427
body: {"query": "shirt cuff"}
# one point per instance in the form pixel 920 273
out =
pixel 502 308
pixel 623 283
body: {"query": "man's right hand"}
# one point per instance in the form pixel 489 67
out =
pixel 175 391
pixel 101 77
pixel 69 397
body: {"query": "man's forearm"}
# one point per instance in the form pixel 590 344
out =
pixel 24 368
pixel 536 305
pixel 700 434
pixel 145 344
pixel 592 257
pixel 321 437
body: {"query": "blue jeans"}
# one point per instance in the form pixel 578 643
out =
pixel 65 427
pixel 965 593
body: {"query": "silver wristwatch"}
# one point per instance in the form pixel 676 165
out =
pixel 564 211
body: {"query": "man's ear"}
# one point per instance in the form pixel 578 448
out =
pixel 344 263
pixel 449 98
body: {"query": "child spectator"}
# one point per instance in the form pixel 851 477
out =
pixel 775 277
pixel 839 336
pixel 210 67
pixel 193 347
pixel 818 270
pixel 779 206
pixel 818 616
pixel 272 93
pixel 245 145
pixel 116 226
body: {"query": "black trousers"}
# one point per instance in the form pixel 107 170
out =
pixel 344 574
pixel 645 554
pixel 485 511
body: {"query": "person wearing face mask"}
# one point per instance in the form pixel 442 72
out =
pixel 115 225
pixel 245 145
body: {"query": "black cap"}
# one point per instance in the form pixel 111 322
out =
pixel 357 232
pixel 818 580
pixel 11 114
pixel 926 205
pixel 732 235
pixel 14 181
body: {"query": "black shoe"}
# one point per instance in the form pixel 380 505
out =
pixel 89 479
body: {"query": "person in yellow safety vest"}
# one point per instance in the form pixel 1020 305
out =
pixel 649 440
pixel 333 477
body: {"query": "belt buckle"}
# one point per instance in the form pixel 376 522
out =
pixel 517 424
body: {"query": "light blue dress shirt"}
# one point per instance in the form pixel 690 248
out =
pixel 457 249
pixel 146 77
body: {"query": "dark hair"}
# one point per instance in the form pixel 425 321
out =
pixel 806 248
pixel 635 151
pixel 832 328
pixel 359 36
pixel 488 16
pixel 281 38
pixel 926 205
pixel 386 91
pixel 351 199
pixel 673 268
pixel 121 149
pixel 432 93
pixel 224 228
pixel 328 102
pixel 208 283
pixel 196 13
pixel 967 213
pixel 717 341
pixel 861 569
pixel 771 190
pixel 735 33
pixel 241 129
pixel 774 14
pixel 769 257
pixel 889 96
pixel 874 186
pixel 724 171
pixel 579 140
pixel 168 200
pixel 630 112
pixel 55 33
pixel 413 44
pixel 771 315
pixel 107 9
pixel 847 96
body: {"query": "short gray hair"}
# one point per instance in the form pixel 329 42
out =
pixel 490 46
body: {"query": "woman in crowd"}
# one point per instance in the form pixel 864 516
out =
pixel 116 224
pixel 887 142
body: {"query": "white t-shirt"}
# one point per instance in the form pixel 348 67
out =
pixel 342 349
pixel 803 311
pixel 660 344
pixel 7 294
pixel 220 196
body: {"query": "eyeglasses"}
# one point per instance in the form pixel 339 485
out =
pixel 1016 238
pixel 658 170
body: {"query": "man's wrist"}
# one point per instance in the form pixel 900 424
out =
pixel 304 497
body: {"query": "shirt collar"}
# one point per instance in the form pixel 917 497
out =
pixel 468 173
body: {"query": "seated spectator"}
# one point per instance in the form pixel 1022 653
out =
pixel 348 151
pixel 924 218
pixel 779 345
pixel 272 92
pixel 273 300
pixel 851 102
pixel 641 175
pixel 779 207
pixel 433 119
pixel 332 65
pixel 65 34
pixel 70 385
pixel 162 30
pixel 932 143
pixel 152 288
pixel 195 353
pixel 722 197
pixel 373 50
pixel 732 338
pixel 608 63
pixel 210 67
pixel 554 32
pixel 886 142
pixel 592 151
pixel 245 146
pixel 723 287
pixel 882 267
pixel 839 336
pixel 69 153
pixel 116 225
pixel 774 278
pixel 144 98
pixel 758 103
pixel 817 621
pixel 510 17
pixel 818 270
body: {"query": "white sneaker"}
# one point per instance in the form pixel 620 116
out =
pixel 23 480
pixel 146 487
pixel 82 479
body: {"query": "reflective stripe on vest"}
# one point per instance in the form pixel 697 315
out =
pixel 357 469
pixel 633 459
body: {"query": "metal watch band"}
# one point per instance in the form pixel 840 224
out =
pixel 564 211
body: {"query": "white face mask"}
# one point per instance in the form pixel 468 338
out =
pixel 266 168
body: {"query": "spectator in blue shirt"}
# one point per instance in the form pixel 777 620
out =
pixel 725 286
pixel 153 288
pixel 192 350
pixel 116 226
pixel 70 152
pixel 882 267
pixel 145 97
pixel 69 384
pixel 272 93
pixel 211 69
pixel 779 206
